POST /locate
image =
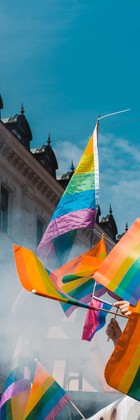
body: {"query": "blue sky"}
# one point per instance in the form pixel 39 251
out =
pixel 69 61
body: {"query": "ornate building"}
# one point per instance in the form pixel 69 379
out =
pixel 45 155
pixel 29 193
pixel 19 126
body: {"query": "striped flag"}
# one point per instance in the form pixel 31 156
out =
pixel 120 272
pixel 46 398
pixel 79 289
pixel 77 207
pixel 74 278
pixel 122 371
pixel 18 384
pixel 84 265
pixel 35 278
pixel 95 320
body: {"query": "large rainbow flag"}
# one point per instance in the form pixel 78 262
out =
pixel 135 308
pixel 122 371
pixel 120 272
pixel 77 207
pixel 46 397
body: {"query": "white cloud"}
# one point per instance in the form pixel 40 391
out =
pixel 120 180
pixel 119 175
pixel 67 152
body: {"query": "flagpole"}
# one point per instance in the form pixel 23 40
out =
pixel 77 303
pixel 98 119
pixel 77 409
pixel 113 113
pixel 91 237
pixel 91 240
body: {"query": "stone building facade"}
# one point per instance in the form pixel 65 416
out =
pixel 29 194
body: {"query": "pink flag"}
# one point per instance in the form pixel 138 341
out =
pixel 95 320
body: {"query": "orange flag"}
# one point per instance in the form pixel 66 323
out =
pixel 85 264
pixel 120 272
pixel 122 371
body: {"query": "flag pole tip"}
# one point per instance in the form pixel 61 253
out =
pixel 34 291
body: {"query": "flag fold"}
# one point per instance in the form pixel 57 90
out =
pixel 78 205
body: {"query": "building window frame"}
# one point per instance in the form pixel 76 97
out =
pixel 5 208
pixel 40 228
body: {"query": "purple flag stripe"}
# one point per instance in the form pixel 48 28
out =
pixel 79 219
pixel 15 389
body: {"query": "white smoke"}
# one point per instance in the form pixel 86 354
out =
pixel 53 339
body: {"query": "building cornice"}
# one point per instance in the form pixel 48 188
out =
pixel 29 171
pixel 35 181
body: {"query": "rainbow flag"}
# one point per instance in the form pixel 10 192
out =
pixel 135 308
pixel 122 371
pixel 35 278
pixel 95 320
pixel 46 398
pixel 77 207
pixel 17 387
pixel 120 272
pixel 79 289
pixel 84 265
pixel 33 275
pixel 74 278
pixel 14 400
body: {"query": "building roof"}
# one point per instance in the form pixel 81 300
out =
pixel 19 126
